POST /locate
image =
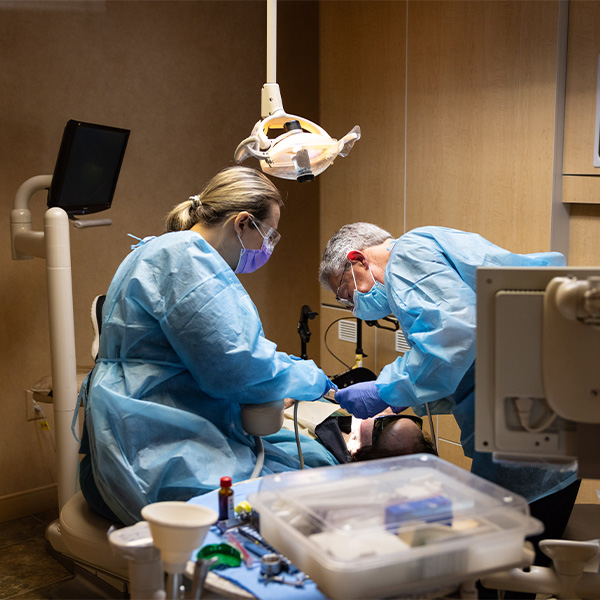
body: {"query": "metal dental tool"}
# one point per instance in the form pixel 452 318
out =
pixel 201 569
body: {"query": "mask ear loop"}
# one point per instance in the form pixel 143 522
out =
pixel 238 235
pixel 352 270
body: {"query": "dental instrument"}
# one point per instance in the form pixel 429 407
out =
pixel 304 149
pixel 201 568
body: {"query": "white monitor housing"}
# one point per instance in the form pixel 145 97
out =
pixel 537 392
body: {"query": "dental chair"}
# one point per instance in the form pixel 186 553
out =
pixel 79 537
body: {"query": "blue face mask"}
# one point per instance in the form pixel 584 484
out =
pixel 371 305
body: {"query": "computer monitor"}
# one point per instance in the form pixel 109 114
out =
pixel 87 167
pixel 537 386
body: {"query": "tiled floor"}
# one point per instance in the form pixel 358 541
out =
pixel 27 570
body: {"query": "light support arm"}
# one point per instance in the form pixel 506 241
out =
pixel 271 41
pixel 53 244
pixel 271 102
pixel 25 242
pixel 62 348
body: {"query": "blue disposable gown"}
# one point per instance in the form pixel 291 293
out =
pixel 430 286
pixel 182 346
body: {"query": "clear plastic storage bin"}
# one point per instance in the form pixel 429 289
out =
pixel 392 526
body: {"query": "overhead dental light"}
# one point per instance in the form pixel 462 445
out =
pixel 303 149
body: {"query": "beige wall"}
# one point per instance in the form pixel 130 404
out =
pixel 185 77
pixel 362 78
pixel 457 105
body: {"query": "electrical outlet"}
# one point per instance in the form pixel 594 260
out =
pixel 30 405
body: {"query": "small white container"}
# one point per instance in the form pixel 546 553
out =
pixel 392 526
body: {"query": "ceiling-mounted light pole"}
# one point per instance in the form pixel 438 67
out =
pixel 302 150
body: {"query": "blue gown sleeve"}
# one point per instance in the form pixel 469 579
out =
pixel 214 327
pixel 436 310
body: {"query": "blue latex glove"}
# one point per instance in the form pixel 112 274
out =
pixel 361 399
pixel 330 386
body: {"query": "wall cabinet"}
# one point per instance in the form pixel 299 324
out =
pixel 581 179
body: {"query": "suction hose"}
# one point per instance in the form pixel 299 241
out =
pixel 259 420
pixel 260 457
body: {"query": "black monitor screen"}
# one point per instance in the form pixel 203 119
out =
pixel 87 167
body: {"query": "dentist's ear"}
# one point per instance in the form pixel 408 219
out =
pixel 357 256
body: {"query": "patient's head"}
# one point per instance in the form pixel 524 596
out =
pixel 390 435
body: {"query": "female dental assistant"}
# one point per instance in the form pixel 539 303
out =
pixel 182 347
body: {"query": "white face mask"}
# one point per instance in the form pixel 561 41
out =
pixel 371 305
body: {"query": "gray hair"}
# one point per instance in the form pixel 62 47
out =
pixel 229 192
pixel 356 236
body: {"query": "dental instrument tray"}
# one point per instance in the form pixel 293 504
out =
pixel 392 526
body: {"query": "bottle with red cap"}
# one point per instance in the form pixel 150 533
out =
pixel 226 508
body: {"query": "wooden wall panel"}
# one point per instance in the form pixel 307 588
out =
pixel 582 71
pixel 582 192
pixel 362 83
pixel 580 189
pixel 478 101
pixel 584 240
pixel 480 117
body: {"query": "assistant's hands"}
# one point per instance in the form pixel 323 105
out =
pixel 361 399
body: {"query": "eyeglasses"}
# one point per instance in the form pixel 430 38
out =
pixel 272 236
pixel 345 303
pixel 381 423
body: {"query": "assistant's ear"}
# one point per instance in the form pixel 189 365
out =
pixel 241 221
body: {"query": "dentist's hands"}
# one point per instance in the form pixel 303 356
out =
pixel 361 399
pixel 329 387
